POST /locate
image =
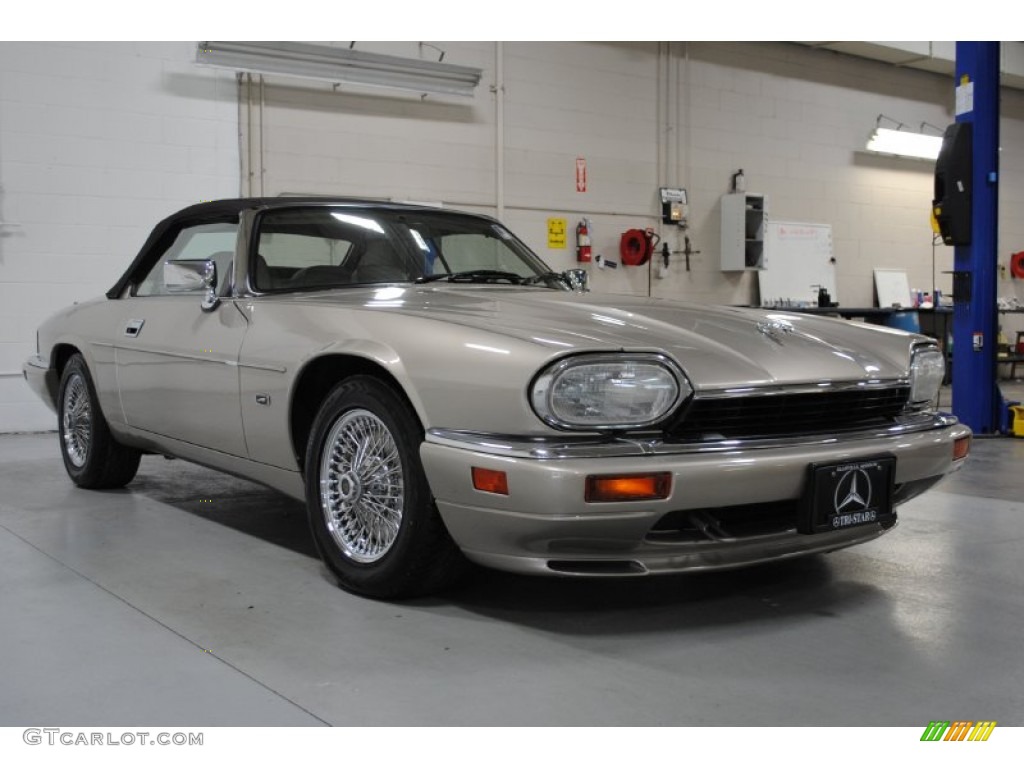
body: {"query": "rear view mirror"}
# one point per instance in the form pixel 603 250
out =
pixel 577 279
pixel 192 275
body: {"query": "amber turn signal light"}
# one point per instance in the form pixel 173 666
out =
pixel 490 480
pixel 652 487
pixel 961 447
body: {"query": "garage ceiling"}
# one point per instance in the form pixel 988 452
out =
pixel 930 56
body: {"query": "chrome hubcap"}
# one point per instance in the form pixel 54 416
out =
pixel 76 420
pixel 361 488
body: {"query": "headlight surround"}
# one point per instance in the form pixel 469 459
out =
pixel 608 391
pixel 927 370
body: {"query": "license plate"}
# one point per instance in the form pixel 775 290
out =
pixel 848 494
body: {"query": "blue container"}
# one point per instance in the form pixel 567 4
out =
pixel 905 321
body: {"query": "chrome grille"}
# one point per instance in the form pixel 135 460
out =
pixel 780 414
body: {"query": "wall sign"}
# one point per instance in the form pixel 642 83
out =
pixel 556 233
pixel 581 174
pixel 964 98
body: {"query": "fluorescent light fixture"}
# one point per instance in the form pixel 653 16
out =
pixel 340 65
pixel 904 143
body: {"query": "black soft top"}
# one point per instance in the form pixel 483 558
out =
pixel 216 209
pixel 227 211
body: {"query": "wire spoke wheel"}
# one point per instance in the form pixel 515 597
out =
pixel 362 491
pixel 371 511
pixel 76 420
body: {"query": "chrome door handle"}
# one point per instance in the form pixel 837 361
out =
pixel 133 328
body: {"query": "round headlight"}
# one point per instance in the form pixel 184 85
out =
pixel 608 391
pixel 927 369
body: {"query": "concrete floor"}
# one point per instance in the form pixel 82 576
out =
pixel 192 598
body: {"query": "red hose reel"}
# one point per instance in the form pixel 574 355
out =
pixel 1017 265
pixel 637 246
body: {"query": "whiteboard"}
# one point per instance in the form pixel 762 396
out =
pixel 797 255
pixel 893 288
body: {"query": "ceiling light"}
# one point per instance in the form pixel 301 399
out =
pixel 340 65
pixel 905 143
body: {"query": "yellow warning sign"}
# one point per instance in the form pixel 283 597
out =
pixel 556 233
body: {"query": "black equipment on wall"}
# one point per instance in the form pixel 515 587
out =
pixel 953 170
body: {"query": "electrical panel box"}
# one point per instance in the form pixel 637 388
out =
pixel 673 206
pixel 744 224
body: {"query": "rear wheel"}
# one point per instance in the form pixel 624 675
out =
pixel 92 457
pixel 371 512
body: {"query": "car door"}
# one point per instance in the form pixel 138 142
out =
pixel 177 365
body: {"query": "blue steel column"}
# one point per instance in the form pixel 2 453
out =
pixel 975 393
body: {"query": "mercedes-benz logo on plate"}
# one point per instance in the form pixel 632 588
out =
pixel 853 492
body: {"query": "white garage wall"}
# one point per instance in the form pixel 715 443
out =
pixel 643 114
pixel 561 101
pixel 319 141
pixel 796 121
pixel 98 141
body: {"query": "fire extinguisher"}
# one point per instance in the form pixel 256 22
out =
pixel 583 244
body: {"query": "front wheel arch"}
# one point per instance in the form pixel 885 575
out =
pixel 59 357
pixel 315 382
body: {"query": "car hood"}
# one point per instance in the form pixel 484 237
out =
pixel 717 347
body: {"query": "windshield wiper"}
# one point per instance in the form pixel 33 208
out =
pixel 474 276
pixel 544 276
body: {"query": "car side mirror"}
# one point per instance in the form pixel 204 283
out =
pixel 578 280
pixel 191 275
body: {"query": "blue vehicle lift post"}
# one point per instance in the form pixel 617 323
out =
pixel 976 398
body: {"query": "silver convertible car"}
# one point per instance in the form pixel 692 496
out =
pixel 437 395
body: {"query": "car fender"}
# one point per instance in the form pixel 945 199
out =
pixel 81 327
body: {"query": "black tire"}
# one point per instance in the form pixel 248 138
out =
pixel 385 539
pixel 92 457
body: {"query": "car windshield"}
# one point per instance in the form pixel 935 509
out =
pixel 330 246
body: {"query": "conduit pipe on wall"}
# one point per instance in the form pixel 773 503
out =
pixel 245 152
pixel 240 82
pixel 263 170
pixel 499 129
pixel 660 89
pixel 250 145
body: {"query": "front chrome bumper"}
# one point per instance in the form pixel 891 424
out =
pixel 544 524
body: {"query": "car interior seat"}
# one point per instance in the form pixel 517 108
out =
pixel 264 277
pixel 380 263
